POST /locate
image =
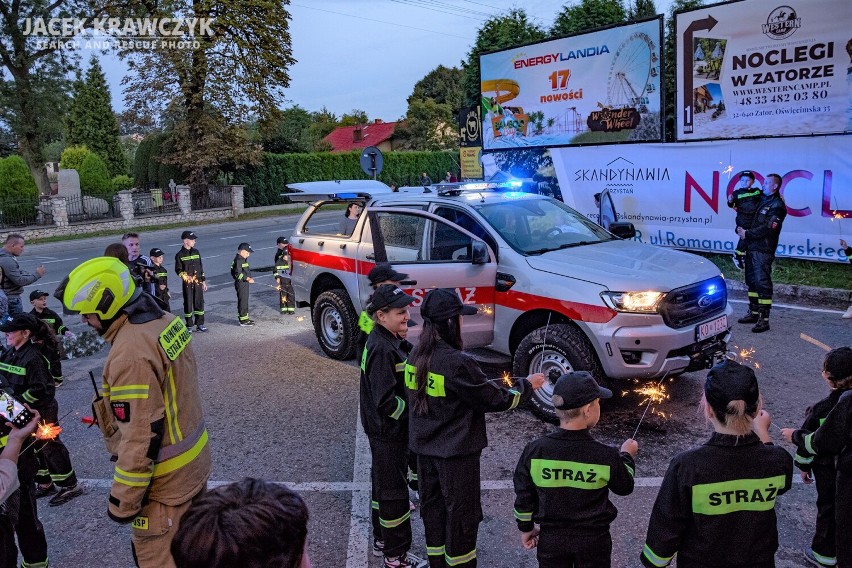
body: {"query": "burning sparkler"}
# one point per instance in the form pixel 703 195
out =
pixel 654 394
pixel 47 431
pixel 486 309
pixel 744 356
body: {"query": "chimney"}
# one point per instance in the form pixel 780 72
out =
pixel 357 134
pixel 377 121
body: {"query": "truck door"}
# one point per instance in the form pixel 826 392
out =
pixel 607 214
pixel 435 254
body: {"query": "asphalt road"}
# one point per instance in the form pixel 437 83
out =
pixel 278 409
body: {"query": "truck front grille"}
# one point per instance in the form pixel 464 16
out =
pixel 694 303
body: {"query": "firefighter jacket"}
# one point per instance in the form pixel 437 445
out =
pixel 563 481
pixel 52 319
pixel 746 202
pixel 188 265
pixel 766 228
pixel 716 505
pixel 26 373
pixel 282 263
pixel 161 278
pixel 814 418
pixel 458 396
pixel 833 437
pixel 150 382
pixel 240 270
pixel 384 414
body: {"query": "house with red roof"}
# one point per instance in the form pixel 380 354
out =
pixel 350 138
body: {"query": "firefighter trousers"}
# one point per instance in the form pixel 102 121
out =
pixel 843 518
pixel 451 508
pixel 286 295
pixel 242 289
pixel 193 303
pixel 54 461
pixel 19 515
pixel 389 476
pixel 153 530
pixel 825 478
pixel 567 549
pixel 758 277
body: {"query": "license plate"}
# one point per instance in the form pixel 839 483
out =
pixel 711 328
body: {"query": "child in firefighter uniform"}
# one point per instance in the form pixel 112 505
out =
pixel 38 299
pixel 188 267
pixel 150 384
pixel 563 480
pixel 161 277
pixel 825 435
pixel 716 505
pixel 448 396
pixel 380 274
pixel 286 296
pixel 745 200
pixel 385 419
pixel 241 273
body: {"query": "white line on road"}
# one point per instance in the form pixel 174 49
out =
pixel 59 260
pixel 790 307
pixel 359 518
pixel 40 283
pixel 234 237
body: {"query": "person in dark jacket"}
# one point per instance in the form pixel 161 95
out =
pixel 13 278
pixel 385 418
pixel 161 278
pixel 828 442
pixel 378 275
pixel 761 242
pixel 716 505
pixel 188 266
pixel 241 273
pixel 745 200
pixel 448 396
pixel 38 300
pixel 286 295
pixel 562 481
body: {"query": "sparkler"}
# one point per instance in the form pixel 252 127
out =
pixel 544 342
pixel 505 379
pixel 654 394
pixel 46 431
pixel 836 214
pixel 743 356
pixel 486 309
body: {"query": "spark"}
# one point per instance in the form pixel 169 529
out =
pixel 300 318
pixel 47 431
pixel 507 379
pixel 744 356
pixel 487 310
pixel 654 394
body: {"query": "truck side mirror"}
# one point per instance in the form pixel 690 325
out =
pixel 622 230
pixel 480 252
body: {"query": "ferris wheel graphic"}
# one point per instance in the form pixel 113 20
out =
pixel 635 66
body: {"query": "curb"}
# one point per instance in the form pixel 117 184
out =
pixel 823 296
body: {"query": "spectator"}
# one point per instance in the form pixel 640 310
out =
pixel 140 265
pixel 119 251
pixel 9 456
pixel 847 250
pixel 425 179
pixel 251 524
pixel 14 279
pixel 347 225
pixel 453 178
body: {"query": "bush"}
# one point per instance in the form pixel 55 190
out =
pixel 94 177
pixel 73 157
pixel 265 183
pixel 122 182
pixel 18 192
pixel 53 151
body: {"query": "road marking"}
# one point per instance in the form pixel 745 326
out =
pixel 60 260
pixel 791 307
pixel 359 519
pixel 234 237
pixel 40 283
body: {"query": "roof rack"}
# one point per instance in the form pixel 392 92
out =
pixel 337 190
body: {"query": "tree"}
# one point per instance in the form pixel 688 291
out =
pixel 32 92
pixel 588 15
pixel 18 191
pixel 94 176
pixel 72 157
pixel 669 70
pixel 354 117
pixel 428 125
pixel 92 123
pixel 213 84
pixel 322 124
pixel 498 32
pixel 641 9
pixel 441 84
pixel 284 132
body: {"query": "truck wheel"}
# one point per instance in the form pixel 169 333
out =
pixel 565 350
pixel 336 324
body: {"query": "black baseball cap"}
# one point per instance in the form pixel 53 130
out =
pixel 156 252
pixel 728 381
pixel 282 240
pixel 577 389
pixel 838 363
pixel 188 235
pixel 245 246
pixel 388 296
pixel 37 294
pixel 442 304
pixel 20 322
pixel 384 273
pixel 747 174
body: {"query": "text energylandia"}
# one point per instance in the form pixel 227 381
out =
pixel 143 27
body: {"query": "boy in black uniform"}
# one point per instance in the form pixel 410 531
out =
pixel 716 505
pixel 38 299
pixel 827 432
pixel 745 200
pixel 188 267
pixel 161 277
pixel 563 480
pixel 380 274
pixel 282 275
pixel 241 273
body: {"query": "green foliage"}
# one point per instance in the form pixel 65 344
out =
pixel 91 121
pixel 588 15
pixel 669 61
pixel 18 192
pixel 53 151
pixel 285 131
pixel 499 32
pixel 641 9
pixel 428 126
pixel 354 117
pixel 265 182
pixel 154 159
pixel 72 157
pixel 122 182
pixel 140 162
pixel 94 177
pixel 441 84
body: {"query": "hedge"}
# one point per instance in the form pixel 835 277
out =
pixel 18 192
pixel 265 183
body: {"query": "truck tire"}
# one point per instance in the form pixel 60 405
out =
pixel 566 349
pixel 335 324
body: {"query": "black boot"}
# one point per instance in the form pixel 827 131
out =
pixel 751 317
pixel 761 325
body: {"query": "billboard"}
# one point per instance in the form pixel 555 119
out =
pixel 595 88
pixel 764 68
pixel 676 194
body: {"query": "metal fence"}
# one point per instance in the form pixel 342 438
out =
pixel 152 202
pixel 210 197
pixel 23 213
pixel 88 208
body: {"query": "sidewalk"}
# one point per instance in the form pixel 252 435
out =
pixel 827 297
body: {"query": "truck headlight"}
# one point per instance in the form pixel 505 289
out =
pixel 633 302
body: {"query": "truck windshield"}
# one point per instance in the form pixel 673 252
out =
pixel 536 226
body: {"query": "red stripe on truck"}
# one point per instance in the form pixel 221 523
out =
pixel 330 261
pixel 574 310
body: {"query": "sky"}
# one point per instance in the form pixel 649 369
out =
pixel 368 54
